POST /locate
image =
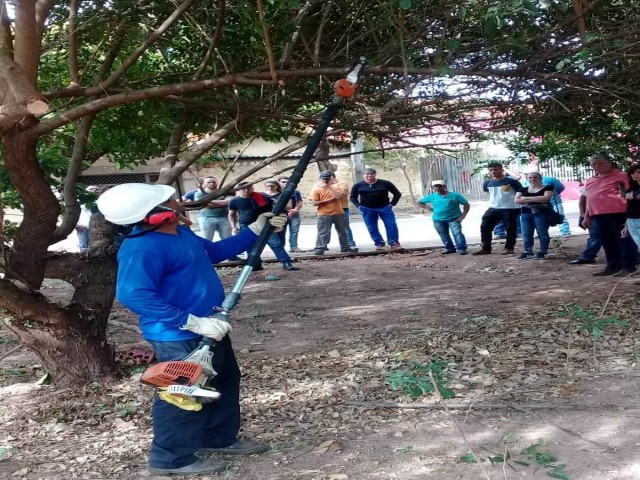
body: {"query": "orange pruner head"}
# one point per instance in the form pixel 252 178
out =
pixel 344 88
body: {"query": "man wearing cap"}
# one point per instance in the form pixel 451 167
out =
pixel 447 216
pixel 371 196
pixel 326 196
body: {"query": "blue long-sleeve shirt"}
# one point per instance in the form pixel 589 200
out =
pixel 163 278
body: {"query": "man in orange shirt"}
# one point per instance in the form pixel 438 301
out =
pixel 326 196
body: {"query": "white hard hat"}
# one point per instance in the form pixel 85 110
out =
pixel 438 182
pixel 129 203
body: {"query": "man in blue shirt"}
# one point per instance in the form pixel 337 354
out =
pixel 165 277
pixel 447 216
pixel 502 206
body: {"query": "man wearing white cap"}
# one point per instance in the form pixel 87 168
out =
pixel 447 216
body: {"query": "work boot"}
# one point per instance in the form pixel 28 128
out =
pixel 202 466
pixel 349 250
pixel 241 447
pixel 288 266
pixel 508 251
pixel 396 246
pixel 482 252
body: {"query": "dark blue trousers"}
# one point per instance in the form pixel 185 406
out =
pixel 177 433
pixel 606 228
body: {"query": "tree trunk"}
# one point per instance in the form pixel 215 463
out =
pixel 70 341
pixel 41 209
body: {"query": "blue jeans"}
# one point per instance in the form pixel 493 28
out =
pixel 293 225
pixel 606 228
pixel 593 244
pixel 443 227
pixel 210 225
pixel 633 225
pixel 177 433
pixel 371 216
pixel 83 238
pixel 535 222
pixel 276 247
pixel 347 217
pixel 565 229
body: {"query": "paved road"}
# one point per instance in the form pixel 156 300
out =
pixel 415 230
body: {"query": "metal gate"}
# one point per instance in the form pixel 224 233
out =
pixel 464 172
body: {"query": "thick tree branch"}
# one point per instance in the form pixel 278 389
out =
pixel 169 176
pixel 74 79
pixel 6 38
pixel 27 40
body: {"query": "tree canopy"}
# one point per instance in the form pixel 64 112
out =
pixel 136 80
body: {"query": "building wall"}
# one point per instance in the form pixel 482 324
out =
pixel 342 171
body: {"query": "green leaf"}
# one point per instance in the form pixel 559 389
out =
pixel 496 459
pixel 6 452
pixel 558 472
pixel 405 4
pixel 521 462
pixel 560 65
pixel 468 458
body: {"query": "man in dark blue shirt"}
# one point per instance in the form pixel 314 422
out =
pixel 371 196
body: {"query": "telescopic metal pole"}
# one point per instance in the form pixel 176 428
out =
pixel 344 89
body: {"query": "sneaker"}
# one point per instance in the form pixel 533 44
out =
pixel 258 268
pixel 396 246
pixel 499 237
pixel 447 252
pixel 289 266
pixel 202 466
pixel 380 247
pixel 318 251
pixel 540 256
pixel 482 252
pixel 349 250
pixel 605 273
pixel 462 252
pixel 508 251
pixel 296 250
pixel 525 256
pixel 581 261
pixel 241 447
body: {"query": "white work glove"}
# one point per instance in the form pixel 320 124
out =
pixel 277 221
pixel 207 327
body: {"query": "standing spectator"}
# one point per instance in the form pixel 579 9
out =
pixel 594 245
pixel 190 195
pixel 294 216
pixel 534 215
pixel 502 206
pixel 606 213
pixel 214 217
pixel 165 277
pixel 633 204
pixel 244 210
pixel 447 216
pixel 84 220
pixel 347 213
pixel 326 196
pixel 556 201
pixel 499 233
pixel 371 196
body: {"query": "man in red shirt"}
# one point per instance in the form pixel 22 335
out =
pixel 605 214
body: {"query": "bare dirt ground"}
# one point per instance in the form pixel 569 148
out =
pixel 316 347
